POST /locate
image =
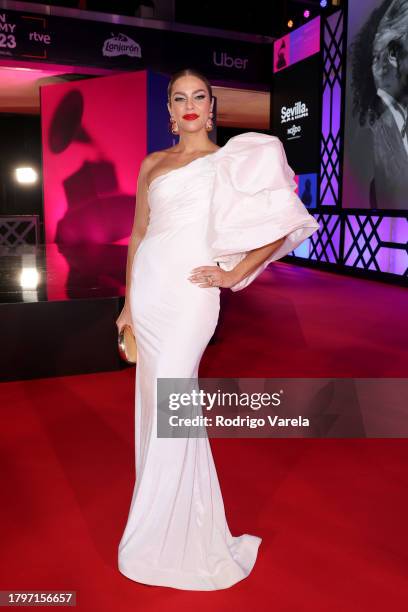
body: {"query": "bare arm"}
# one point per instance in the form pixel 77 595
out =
pixel 246 266
pixel 253 259
pixel 140 222
pixel 139 228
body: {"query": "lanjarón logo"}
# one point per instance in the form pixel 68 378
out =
pixel 121 45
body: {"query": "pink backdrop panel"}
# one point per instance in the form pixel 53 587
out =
pixel 94 137
pixel 297 45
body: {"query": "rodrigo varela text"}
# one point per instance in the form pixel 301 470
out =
pixel 238 421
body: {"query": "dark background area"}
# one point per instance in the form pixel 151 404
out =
pixel 20 145
pixel 268 18
pixel 302 81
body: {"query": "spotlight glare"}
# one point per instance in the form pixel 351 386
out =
pixel 29 278
pixel 290 23
pixel 26 175
pixel 323 3
pixel 306 14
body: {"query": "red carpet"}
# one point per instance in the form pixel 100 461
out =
pixel 332 513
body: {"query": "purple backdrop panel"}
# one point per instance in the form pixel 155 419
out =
pixel 331 109
pixel 296 46
pixel 159 135
pixel 376 243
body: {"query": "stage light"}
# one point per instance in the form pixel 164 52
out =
pixel 29 278
pixel 323 3
pixel 290 23
pixel 306 14
pixel 13 68
pixel 26 176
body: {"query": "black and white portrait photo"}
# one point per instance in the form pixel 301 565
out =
pixel 376 140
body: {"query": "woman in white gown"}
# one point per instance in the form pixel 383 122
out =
pixel 206 217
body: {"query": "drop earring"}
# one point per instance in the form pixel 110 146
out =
pixel 173 126
pixel 209 123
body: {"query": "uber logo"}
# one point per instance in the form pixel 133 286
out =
pixel 223 59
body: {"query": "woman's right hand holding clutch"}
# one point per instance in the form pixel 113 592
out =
pixel 125 318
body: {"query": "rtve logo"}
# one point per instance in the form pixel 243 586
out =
pixel 225 60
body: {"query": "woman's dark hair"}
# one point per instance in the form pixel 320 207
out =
pixel 365 102
pixel 188 72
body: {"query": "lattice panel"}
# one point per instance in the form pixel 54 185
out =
pixel 323 245
pixel 18 230
pixel 375 242
pixel 332 50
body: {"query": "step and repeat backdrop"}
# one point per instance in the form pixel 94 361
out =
pixel 339 88
pixel 60 39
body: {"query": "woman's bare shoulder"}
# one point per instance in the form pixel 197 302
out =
pixel 151 160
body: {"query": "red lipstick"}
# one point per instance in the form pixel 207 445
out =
pixel 190 116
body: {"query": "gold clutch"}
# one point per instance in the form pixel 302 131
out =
pixel 127 344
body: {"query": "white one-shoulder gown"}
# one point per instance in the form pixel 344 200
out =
pixel 214 209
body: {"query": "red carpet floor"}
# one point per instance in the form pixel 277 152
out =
pixel 332 513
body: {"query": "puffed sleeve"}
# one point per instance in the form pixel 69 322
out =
pixel 254 203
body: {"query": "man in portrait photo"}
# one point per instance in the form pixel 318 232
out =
pixel 379 85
